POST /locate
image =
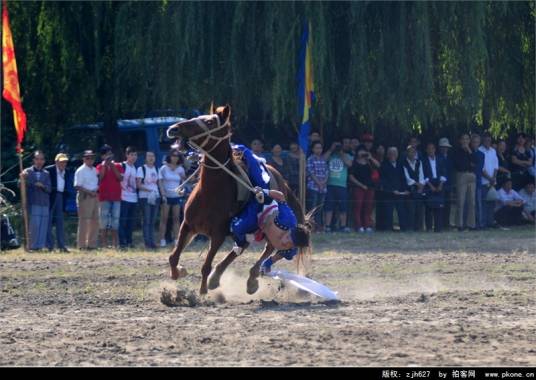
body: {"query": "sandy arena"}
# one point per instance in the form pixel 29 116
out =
pixel 407 299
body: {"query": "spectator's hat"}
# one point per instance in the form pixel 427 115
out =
pixel 367 137
pixel 61 157
pixel 88 153
pixel 444 142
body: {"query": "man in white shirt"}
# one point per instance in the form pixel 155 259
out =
pixel 129 199
pixel 489 179
pixel 86 182
pixel 414 175
pixel 435 173
pixel 58 177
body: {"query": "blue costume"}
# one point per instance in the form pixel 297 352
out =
pixel 247 221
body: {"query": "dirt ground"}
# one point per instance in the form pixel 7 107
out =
pixel 407 299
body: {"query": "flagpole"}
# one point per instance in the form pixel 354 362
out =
pixel 23 202
pixel 302 181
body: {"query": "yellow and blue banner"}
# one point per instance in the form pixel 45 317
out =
pixel 306 91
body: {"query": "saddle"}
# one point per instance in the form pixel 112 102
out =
pixel 239 167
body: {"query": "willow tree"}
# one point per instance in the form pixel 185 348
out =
pixel 390 67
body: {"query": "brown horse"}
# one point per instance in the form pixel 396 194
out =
pixel 213 201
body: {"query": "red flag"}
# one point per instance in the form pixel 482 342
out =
pixel 11 78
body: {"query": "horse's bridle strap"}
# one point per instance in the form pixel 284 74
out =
pixel 209 133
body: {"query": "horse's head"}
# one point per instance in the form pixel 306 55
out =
pixel 205 131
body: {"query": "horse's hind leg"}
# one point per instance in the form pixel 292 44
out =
pixel 214 280
pixel 215 244
pixel 185 236
pixel 254 272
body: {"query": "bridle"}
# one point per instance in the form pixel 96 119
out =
pixel 208 135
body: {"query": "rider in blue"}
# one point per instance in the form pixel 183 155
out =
pixel 272 218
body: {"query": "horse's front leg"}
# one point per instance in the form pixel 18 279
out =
pixel 185 237
pixel 254 272
pixel 215 244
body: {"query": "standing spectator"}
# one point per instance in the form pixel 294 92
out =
pixel 129 199
pixel 435 172
pixel 293 165
pixel 532 149
pixel 337 195
pixel 478 159
pixel 362 186
pixel 465 183
pixel 529 197
pixel 347 147
pixel 489 180
pixel 415 182
pixel 414 142
pixel 445 156
pixel 86 182
pixel 510 205
pixel 379 154
pixel 393 185
pixel 521 162
pixel 278 162
pixel 313 137
pixel 257 147
pixel 149 195
pixel 354 144
pixel 368 142
pixel 110 177
pixel 59 176
pixel 504 163
pixel 379 196
pixel 347 150
pixel 317 180
pixel 38 189
pixel 170 176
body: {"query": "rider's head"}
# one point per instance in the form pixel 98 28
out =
pixel 301 236
pixel 296 237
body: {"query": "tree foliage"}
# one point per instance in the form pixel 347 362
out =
pixel 390 67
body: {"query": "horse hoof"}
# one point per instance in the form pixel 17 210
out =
pixel 213 282
pixel 176 273
pixel 253 285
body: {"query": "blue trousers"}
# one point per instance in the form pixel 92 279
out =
pixel 316 199
pixel 38 226
pixel 56 218
pixel 126 223
pixel 149 217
